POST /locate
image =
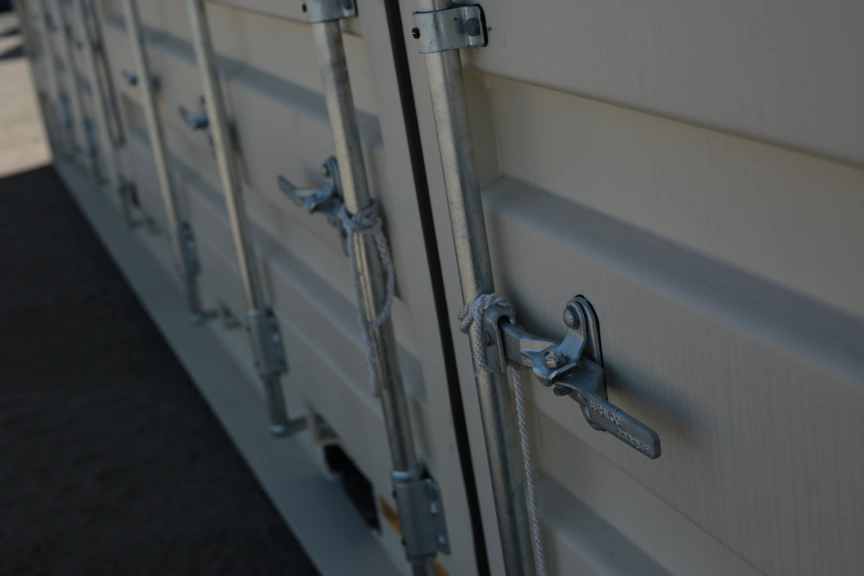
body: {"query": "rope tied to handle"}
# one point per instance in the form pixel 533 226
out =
pixel 471 321
pixel 368 222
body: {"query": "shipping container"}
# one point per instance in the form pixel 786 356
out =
pixel 667 196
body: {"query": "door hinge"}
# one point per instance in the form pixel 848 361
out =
pixel 450 29
pixel 329 10
pixel 421 514
pixel 266 343
pixel 572 367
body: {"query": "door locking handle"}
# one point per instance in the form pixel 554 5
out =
pixel 572 367
pixel 195 120
pixel 327 199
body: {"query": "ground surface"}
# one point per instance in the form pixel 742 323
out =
pixel 110 461
pixel 22 138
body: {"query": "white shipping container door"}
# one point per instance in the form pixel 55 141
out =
pixel 272 86
pixel 695 170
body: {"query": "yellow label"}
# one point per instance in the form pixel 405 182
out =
pixel 392 517
pixel 389 513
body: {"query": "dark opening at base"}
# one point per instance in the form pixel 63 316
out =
pixel 354 483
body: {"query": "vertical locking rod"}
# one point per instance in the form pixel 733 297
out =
pixel 74 87
pixel 258 318
pixel 447 87
pixel 85 44
pixel 371 275
pixel 50 60
pixel 182 240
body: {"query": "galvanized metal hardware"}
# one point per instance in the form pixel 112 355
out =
pixel 263 327
pixel 421 515
pixel 65 111
pixel 572 367
pixel 462 184
pixel 329 10
pixel 182 237
pixel 450 29
pixel 189 266
pixel 266 339
pixel 127 194
pixel 195 120
pixel 373 287
pixel 79 44
pixel 58 16
pixel 90 138
pixel 326 200
pixel 130 78
pixel 271 363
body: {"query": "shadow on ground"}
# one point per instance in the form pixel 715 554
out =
pixel 112 463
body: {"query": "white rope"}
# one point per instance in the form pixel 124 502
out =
pixel 367 222
pixel 472 314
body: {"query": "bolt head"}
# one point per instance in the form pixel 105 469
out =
pixel 571 318
pixel 555 359
pixel 561 391
pixel 487 338
pixel 472 27
pixel 415 32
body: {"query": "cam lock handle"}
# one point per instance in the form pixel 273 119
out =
pixel 197 120
pixel 327 199
pixel 572 367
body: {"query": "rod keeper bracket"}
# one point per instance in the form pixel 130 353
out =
pixel 266 339
pixel 329 10
pixel 421 514
pixel 450 29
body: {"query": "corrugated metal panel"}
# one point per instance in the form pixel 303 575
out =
pixel 723 270
pixel 693 169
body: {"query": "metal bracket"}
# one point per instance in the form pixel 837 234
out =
pixel 132 79
pixel 266 343
pixel 187 251
pixel 327 199
pixel 90 138
pixel 329 10
pixel 65 111
pixel 572 367
pixel 421 515
pixel 197 120
pixel 79 44
pixel 450 29
pixel 126 192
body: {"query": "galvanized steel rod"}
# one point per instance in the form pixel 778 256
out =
pixel 447 87
pixel 50 60
pixel 355 190
pixel 233 192
pixel 85 43
pixel 62 27
pixel 222 145
pixel 157 144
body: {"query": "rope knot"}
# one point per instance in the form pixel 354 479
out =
pixel 472 314
pixel 367 222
